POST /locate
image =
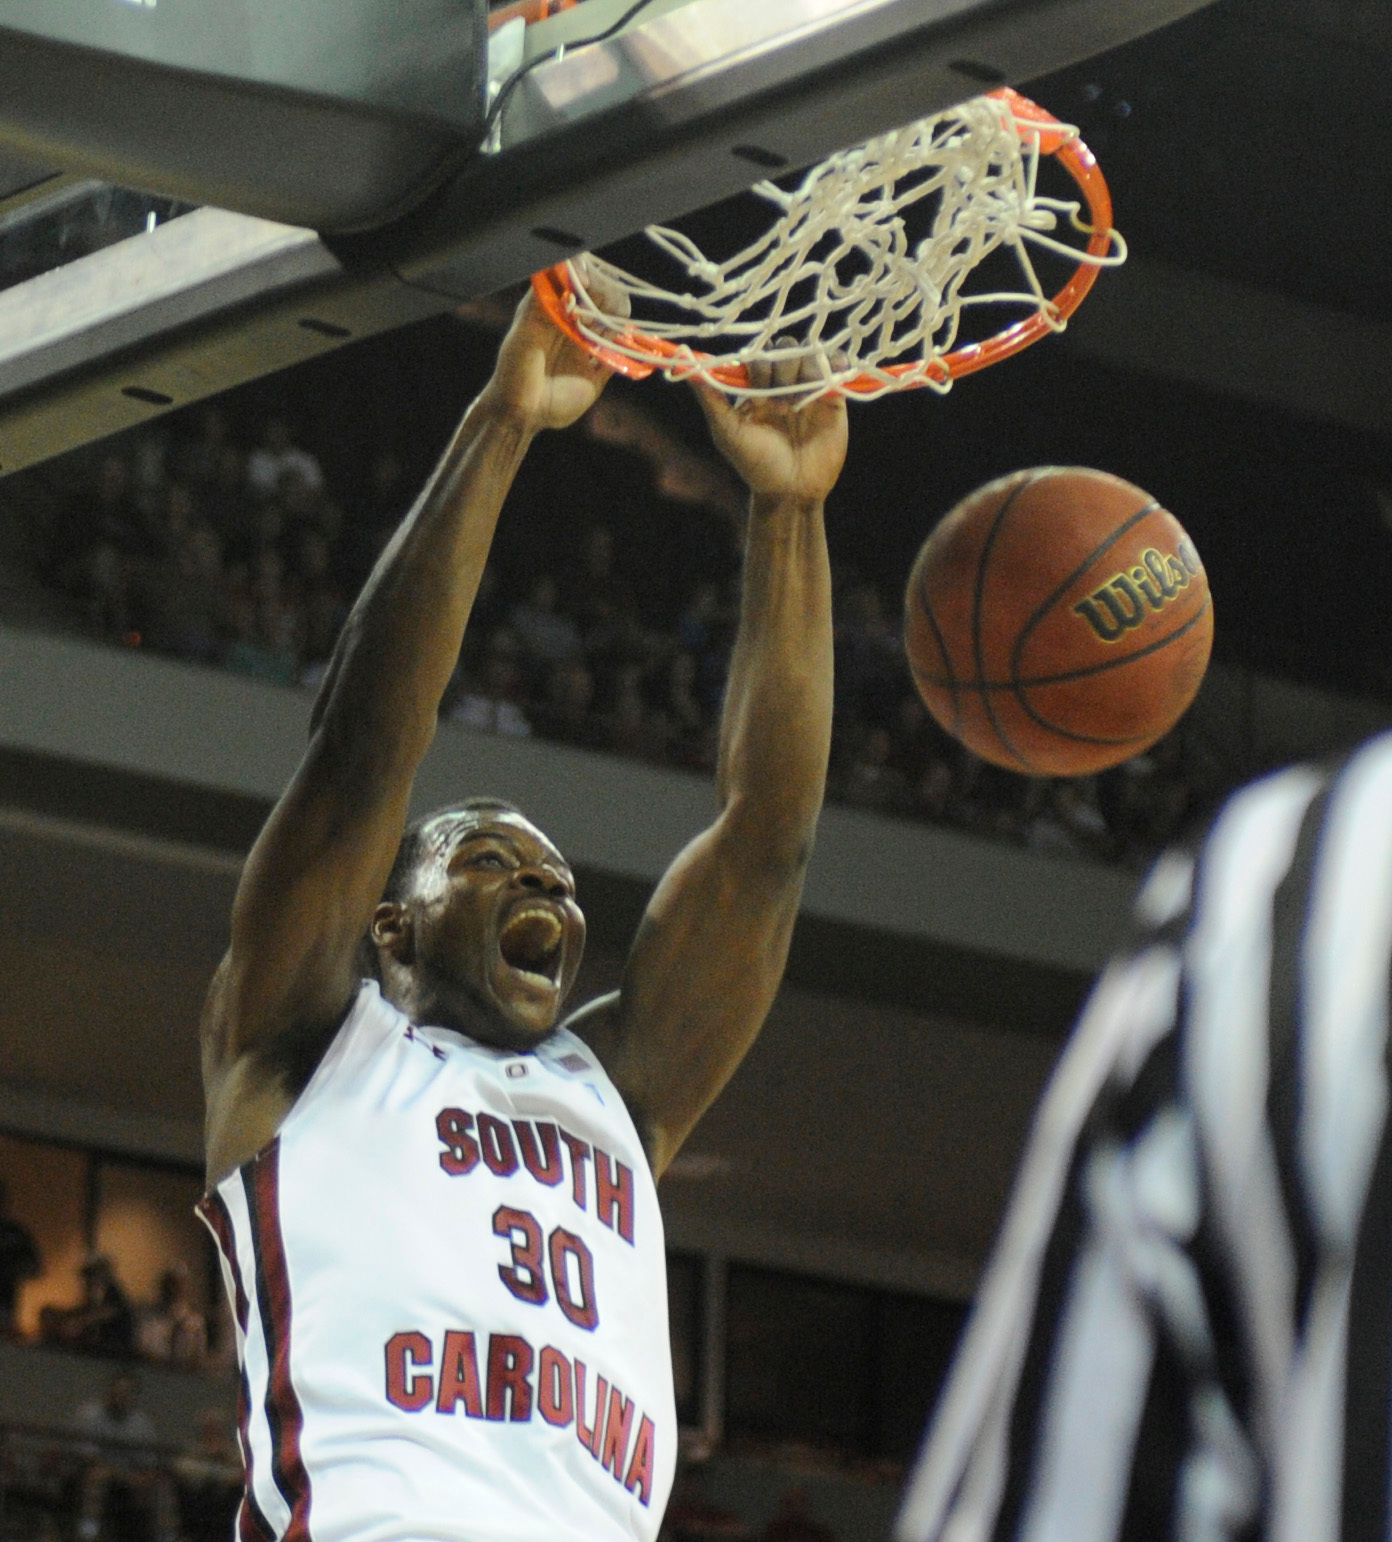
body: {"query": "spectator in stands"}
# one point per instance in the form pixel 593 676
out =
pixel 19 1261
pixel 547 636
pixel 113 514
pixel 186 596
pixel 149 471
pixel 917 738
pixel 873 780
pixel 687 727
pixel 693 1516
pixel 597 597
pixel 198 460
pixel 794 1522
pixel 870 665
pixel 120 1466
pixel 104 528
pixel 705 630
pixel 376 508
pixel 494 702
pixel 208 1481
pixel 567 709
pixel 173 1331
pixel 226 504
pixel 102 1322
pixel 320 597
pixel 1147 800
pixel 1068 822
pixel 630 728
pixel 278 619
pixel 274 456
pixel 935 792
pixel 260 620
pixel 991 800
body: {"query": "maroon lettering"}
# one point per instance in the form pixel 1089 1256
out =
pixel 638 1480
pixel 614 1192
pixel 555 1394
pixel 498 1150
pixel 616 1427
pixel 459 1377
pixel 409 1383
pixel 509 1365
pixel 461 1151
pixel 579 1155
pixel 589 1438
pixel 576 1298
pixel 524 1277
pixel 544 1164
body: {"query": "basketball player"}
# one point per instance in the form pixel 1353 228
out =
pixel 1185 1334
pixel 437 1207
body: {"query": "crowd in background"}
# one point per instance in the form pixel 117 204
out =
pixel 246 555
pixel 171 1330
pixel 109 1475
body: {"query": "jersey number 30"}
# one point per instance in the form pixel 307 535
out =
pixel 572 1266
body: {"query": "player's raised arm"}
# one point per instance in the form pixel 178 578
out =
pixel 712 946
pixel 318 867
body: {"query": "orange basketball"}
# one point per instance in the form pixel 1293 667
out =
pixel 1058 621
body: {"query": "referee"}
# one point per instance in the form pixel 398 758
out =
pixel 1186 1330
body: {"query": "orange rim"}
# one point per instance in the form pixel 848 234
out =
pixel 553 289
pixel 529 10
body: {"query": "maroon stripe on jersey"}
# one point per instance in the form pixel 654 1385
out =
pixel 213 1209
pixel 252 1525
pixel 260 1179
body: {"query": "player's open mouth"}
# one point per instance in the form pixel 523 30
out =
pixel 530 941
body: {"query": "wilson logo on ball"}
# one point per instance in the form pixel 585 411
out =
pixel 1125 596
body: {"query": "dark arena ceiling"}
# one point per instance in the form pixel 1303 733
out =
pixel 1252 141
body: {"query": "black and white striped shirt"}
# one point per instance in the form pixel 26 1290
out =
pixel 1186 1328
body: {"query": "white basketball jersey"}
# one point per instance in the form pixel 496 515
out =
pixel 449 1281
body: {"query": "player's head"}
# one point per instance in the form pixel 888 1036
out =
pixel 478 925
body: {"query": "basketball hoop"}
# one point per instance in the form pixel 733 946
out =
pixel 836 278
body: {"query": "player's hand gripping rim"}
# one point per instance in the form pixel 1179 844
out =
pixel 784 447
pixel 542 378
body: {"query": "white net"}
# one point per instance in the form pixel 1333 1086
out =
pixel 837 277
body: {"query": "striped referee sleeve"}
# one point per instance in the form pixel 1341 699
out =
pixel 1186 1328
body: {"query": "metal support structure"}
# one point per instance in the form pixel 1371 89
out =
pixel 715 1271
pixel 691 104
pixel 204 303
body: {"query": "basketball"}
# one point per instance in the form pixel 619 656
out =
pixel 1058 621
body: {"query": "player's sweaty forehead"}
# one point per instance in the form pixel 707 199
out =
pixel 444 834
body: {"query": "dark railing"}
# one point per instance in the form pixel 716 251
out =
pixel 51 1479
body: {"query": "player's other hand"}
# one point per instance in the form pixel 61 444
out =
pixel 542 379
pixel 781 449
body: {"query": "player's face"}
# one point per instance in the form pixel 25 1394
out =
pixel 495 913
